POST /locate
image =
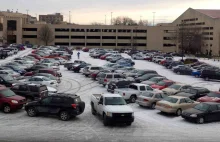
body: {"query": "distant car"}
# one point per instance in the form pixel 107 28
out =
pixel 50 76
pixel 9 101
pixel 89 69
pixel 210 74
pixel 43 80
pixel 175 104
pixel 96 74
pixel 124 70
pixel 174 63
pixel 105 78
pixel 10 72
pixel 190 60
pixel 210 97
pixel 174 88
pixel 149 99
pixel 7 80
pixel 137 57
pixel 63 105
pixel 85 49
pixel 35 68
pixel 183 70
pixel 203 112
pixel 154 80
pixel 162 84
pixel 140 73
pixel 50 71
pixel 78 67
pixel 196 73
pixel 193 92
pixel 103 57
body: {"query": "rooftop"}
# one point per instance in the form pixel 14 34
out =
pixel 213 13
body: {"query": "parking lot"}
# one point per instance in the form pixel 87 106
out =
pixel 149 125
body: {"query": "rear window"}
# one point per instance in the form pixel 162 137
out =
pixel 7 93
pixel 133 87
pixel 94 68
pixel 109 76
pixel 142 88
pixel 117 76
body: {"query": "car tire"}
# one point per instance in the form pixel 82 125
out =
pixel 93 109
pixel 178 73
pixel 178 112
pixel 207 79
pixel 105 121
pixel 153 105
pixel 6 108
pixel 31 112
pixel 200 120
pixel 64 115
pixel 133 98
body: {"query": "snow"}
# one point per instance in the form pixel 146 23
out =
pixel 149 125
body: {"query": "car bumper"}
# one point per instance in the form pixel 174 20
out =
pixel 120 119
pixel 147 104
pixel 167 110
pixel 193 119
pixel 16 107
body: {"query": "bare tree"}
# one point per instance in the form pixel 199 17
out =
pixel 143 23
pixel 45 34
pixel 124 21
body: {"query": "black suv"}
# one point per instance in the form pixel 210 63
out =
pixel 62 105
pixel 3 54
pixel 210 74
pixel 30 91
pixel 118 84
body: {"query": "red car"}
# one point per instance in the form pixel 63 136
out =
pixel 56 55
pixel 9 101
pixel 148 58
pixel 162 84
pixel 36 56
pixel 104 56
pixel 210 97
pixel 85 49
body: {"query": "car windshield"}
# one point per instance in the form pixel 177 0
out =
pixel 140 72
pixel 147 94
pixel 161 83
pixel 7 93
pixel 114 101
pixel 202 107
pixel 154 79
pixel 8 78
pixel 213 94
pixel 175 86
pixel 171 99
pixel 46 79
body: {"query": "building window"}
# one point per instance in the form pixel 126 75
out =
pixel 210 45
pixel 168 38
pixel 108 44
pixel 140 31
pixel 78 44
pixel 205 28
pixel 124 44
pixel 93 44
pixel 61 37
pixel 205 33
pixel 169 45
pixel 141 44
pixel 109 37
pixel 211 33
pixel 1 27
pixel 109 30
pixel 211 38
pixel 140 37
pixel 12 25
pixel 93 30
pixel 211 28
pixel 61 30
pixel 77 30
pixel 124 37
pixel 78 37
pixel 29 36
pixel 124 31
pixel 93 37
pixel 62 43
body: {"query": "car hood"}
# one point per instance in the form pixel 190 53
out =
pixel 148 82
pixel 16 97
pixel 209 99
pixel 118 109
pixel 170 90
pixel 156 86
pixel 192 111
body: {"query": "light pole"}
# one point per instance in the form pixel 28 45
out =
pixel 111 18
pixel 105 19
pixel 182 38
pixel 153 17
pixel 69 17
pixel 27 15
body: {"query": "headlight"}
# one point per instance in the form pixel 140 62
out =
pixel 193 115
pixel 14 101
pixel 109 114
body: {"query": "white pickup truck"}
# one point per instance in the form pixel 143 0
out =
pixel 112 108
pixel 133 91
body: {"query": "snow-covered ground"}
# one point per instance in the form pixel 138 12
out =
pixel 149 125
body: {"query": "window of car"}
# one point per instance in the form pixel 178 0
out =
pixel 117 76
pixel 188 100
pixel 38 79
pixel 32 79
pixel 158 96
pixel 133 87
pixel 142 88
pixel 213 94
pixel 33 88
pixel 149 88
pixel 182 101
pixel 57 100
pixel 213 108
pixel 171 99
pixel 94 68
pixel 46 101
pixel 109 76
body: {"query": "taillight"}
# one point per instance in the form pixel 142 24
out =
pixel 167 106
pixel 146 100
pixel 74 105
pixel 105 80
pixel 123 94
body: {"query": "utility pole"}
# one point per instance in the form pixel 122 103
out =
pixel 111 18
pixel 153 17
pixel 27 15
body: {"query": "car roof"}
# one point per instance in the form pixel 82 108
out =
pixel 66 95
pixel 140 84
pixel 199 88
pixel 168 80
pixel 211 103
pixel 181 84
pixel 111 95
pixel 39 76
pixel 177 97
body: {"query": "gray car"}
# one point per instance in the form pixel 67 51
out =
pixel 105 78
pixel 153 80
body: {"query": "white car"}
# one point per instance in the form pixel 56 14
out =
pixel 61 60
pixel 10 72
pixel 52 65
pixel 43 80
pixel 138 57
pixel 51 90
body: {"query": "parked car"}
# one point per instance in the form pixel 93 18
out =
pixel 43 80
pixel 174 88
pixel 203 112
pixel 63 105
pixel 30 91
pixel 96 74
pixel 133 91
pixel 138 57
pixel 162 84
pixel 190 61
pixel 7 80
pixel 145 77
pixel 89 69
pixel 50 71
pixel 193 92
pixel 10 72
pixel 174 63
pixel 112 108
pixel 150 98
pixel 50 76
pixel 35 68
pixel 209 74
pixel 183 70
pixel 9 101
pixel 3 54
pixel 105 78
pixel 128 60
pixel 112 56
pixel 78 67
pixel 124 70
pixel 117 84
pixel 175 104
pixel 154 80
pixel 103 57
pixel 210 97
pixel 140 73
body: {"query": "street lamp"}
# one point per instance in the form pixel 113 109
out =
pixel 182 38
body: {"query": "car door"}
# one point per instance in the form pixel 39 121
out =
pixel 183 104
pixel 158 97
pixel 55 105
pixel 100 105
pixel 44 105
pixel 213 113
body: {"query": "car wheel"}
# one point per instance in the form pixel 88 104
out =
pixel 178 112
pixel 6 109
pixel 200 120
pixel 178 72
pixel 105 121
pixel 64 115
pixel 153 106
pixel 207 79
pixel 133 99
pixel 31 112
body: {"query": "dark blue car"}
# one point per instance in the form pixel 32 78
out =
pixel 196 73
pixel 16 69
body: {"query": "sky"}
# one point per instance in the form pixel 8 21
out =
pixel 89 11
